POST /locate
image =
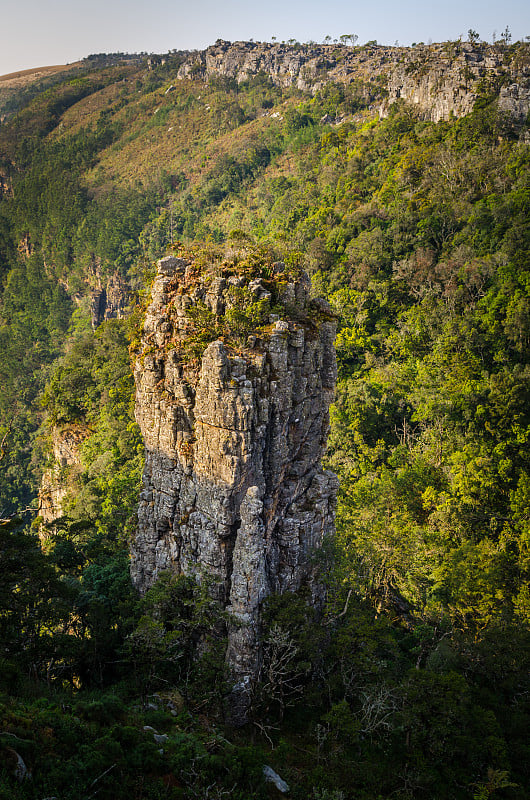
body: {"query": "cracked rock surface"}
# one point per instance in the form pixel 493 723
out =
pixel 233 489
pixel 439 80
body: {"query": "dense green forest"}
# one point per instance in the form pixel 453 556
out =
pixel 415 682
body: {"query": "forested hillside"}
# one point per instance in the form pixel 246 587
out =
pixel 415 682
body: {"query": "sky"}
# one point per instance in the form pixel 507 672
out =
pixel 37 33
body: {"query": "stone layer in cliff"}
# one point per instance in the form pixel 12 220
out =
pixel 438 80
pixel 233 489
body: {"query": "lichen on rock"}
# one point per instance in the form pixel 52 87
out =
pixel 233 489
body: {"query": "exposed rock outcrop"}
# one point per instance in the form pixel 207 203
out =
pixel 515 100
pixel 109 301
pixel 439 80
pixel 54 485
pixel 234 491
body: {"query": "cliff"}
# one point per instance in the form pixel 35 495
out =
pixel 233 489
pixel 54 486
pixel 109 301
pixel 440 80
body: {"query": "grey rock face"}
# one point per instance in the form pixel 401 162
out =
pixel 109 302
pixel 233 488
pixel 439 80
pixel 515 100
pixel 53 489
pixel 272 777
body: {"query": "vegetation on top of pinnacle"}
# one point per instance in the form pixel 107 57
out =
pixel 254 289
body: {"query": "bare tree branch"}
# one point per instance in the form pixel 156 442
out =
pixel 343 612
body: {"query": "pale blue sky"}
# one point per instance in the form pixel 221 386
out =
pixel 42 32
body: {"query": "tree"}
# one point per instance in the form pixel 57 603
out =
pixel 33 601
pixel 506 36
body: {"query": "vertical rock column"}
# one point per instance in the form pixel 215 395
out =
pixel 53 490
pixel 233 487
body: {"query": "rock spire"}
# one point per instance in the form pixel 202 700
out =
pixel 232 400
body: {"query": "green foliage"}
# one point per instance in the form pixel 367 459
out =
pixel 92 387
pixel 33 605
pixel 415 683
pixel 179 640
pixel 34 317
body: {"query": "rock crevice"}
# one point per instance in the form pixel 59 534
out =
pixel 439 80
pixel 233 489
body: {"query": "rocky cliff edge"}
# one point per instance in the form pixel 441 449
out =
pixel 438 80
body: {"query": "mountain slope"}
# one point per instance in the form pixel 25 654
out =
pixel 417 232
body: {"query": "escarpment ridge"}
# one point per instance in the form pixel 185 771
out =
pixel 439 80
pixel 233 488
